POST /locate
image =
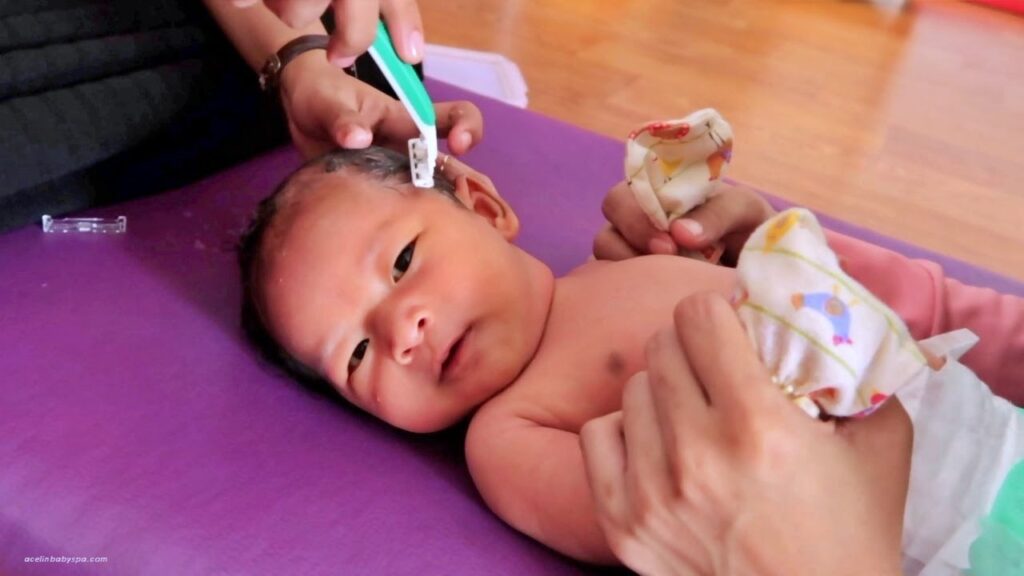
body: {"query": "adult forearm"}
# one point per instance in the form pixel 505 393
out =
pixel 255 31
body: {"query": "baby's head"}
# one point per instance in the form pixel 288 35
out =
pixel 413 304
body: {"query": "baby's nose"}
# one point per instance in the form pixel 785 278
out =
pixel 409 330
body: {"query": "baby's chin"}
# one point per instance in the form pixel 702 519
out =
pixel 429 425
pixel 421 420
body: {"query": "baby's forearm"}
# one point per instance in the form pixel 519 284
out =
pixel 533 478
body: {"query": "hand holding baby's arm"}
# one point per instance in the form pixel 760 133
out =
pixel 708 469
pixel 728 217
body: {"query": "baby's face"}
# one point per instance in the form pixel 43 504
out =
pixel 416 309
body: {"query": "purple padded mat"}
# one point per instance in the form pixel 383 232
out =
pixel 137 425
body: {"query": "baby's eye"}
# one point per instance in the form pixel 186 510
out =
pixel 403 261
pixel 357 356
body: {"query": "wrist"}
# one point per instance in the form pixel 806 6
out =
pixel 309 64
pixel 284 58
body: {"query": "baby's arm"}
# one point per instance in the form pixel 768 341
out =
pixel 930 303
pixel 533 477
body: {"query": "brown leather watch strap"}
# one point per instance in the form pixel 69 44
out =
pixel 270 74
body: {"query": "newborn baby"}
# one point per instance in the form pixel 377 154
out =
pixel 416 307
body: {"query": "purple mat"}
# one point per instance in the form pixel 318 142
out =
pixel 137 425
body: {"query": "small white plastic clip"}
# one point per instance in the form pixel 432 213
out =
pixel 85 225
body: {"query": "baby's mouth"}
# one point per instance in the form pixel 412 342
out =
pixel 451 360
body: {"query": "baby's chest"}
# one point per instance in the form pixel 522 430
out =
pixel 584 364
pixel 601 319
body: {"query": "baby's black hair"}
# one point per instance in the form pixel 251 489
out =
pixel 383 164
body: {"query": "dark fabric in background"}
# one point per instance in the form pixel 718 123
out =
pixel 103 101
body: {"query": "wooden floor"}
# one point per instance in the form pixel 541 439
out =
pixel 909 122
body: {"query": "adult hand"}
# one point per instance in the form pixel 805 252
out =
pixel 355 24
pixel 709 469
pixel 728 217
pixel 327 108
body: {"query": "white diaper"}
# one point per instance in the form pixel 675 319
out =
pixel 966 441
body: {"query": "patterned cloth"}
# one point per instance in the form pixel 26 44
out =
pixel 671 166
pixel 827 341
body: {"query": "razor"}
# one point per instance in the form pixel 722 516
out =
pixel 403 79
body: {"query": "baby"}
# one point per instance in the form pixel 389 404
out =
pixel 416 307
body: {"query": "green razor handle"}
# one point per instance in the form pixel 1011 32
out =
pixel 412 94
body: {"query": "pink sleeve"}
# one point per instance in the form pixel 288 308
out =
pixel 930 303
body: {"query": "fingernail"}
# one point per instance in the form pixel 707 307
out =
pixel 343 61
pixel 243 3
pixel 661 245
pixel 463 140
pixel 415 43
pixel 692 226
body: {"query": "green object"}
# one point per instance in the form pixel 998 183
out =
pixel 999 550
pixel 402 78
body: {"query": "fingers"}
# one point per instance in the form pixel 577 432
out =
pixel 352 129
pixel 888 426
pixel 679 400
pixel 709 331
pixel 461 122
pixel 647 473
pixel 621 209
pixel 732 209
pixel 882 443
pixel 296 13
pixel 355 27
pixel 402 18
pixel 605 455
pixel 610 245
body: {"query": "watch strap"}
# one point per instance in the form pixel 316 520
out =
pixel 270 74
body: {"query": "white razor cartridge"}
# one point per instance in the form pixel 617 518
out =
pixel 422 158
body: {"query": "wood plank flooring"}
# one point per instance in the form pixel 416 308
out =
pixel 910 122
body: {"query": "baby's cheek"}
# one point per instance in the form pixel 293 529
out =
pixel 416 408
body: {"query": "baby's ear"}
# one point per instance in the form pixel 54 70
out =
pixel 477 193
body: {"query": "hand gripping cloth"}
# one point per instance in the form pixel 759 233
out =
pixel 828 342
pixel 671 166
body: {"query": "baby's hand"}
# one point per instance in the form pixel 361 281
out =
pixel 727 218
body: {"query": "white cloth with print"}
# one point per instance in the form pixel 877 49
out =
pixel 671 166
pixel 826 340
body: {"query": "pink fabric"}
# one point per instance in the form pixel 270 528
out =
pixel 1012 5
pixel 932 303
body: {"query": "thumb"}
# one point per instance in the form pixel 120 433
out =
pixel 731 210
pixel 886 431
pixel 881 444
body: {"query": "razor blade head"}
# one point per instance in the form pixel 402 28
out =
pixel 421 163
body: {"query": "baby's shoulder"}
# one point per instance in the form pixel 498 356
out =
pixel 647 270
